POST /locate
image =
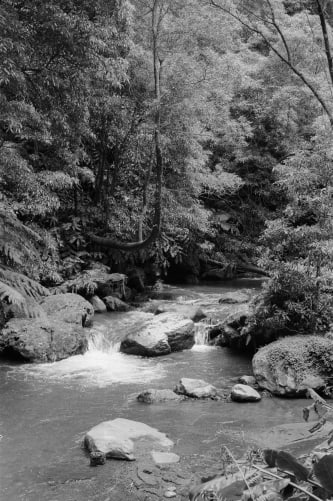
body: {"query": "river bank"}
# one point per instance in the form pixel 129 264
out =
pixel 41 451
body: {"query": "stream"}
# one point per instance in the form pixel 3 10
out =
pixel 46 409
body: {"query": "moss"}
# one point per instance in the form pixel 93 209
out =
pixel 302 354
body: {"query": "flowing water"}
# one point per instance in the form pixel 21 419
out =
pixel 46 409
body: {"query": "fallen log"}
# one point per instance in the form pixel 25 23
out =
pixel 238 267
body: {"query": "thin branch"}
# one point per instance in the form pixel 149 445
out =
pixel 296 486
pixel 300 75
pixel 278 29
pixel 326 39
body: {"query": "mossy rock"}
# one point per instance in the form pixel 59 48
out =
pixel 289 366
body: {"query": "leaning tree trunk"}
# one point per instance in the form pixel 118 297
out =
pixel 155 231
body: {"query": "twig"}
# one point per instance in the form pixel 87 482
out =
pixel 262 470
pixel 240 471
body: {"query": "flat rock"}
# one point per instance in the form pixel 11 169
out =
pixel 165 457
pixel 195 388
pixel 152 396
pixel 70 308
pixel 170 494
pixel 244 393
pixel 118 438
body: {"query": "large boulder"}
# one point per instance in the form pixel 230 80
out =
pixel 244 393
pixel 152 396
pixel 70 308
pixel 119 438
pixel 41 340
pixel 195 388
pixel 147 343
pixel 160 336
pixel 289 366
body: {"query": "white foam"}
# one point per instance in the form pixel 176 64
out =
pixel 98 368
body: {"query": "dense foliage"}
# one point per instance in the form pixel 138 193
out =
pixel 239 96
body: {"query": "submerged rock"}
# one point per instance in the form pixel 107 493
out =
pixel 244 393
pixel 151 396
pixel 195 388
pixel 41 340
pixel 289 366
pixel 118 438
pixel 160 336
pixel 115 304
pixel 98 305
pixel 70 308
pixel 236 297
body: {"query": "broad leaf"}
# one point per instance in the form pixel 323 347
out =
pixel 285 461
pixel 324 472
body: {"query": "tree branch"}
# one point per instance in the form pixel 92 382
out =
pixel 293 68
pixel 326 39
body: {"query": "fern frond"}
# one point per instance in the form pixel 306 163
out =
pixel 25 286
pixel 19 244
pixel 10 295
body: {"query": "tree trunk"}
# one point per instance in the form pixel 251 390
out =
pixel 115 244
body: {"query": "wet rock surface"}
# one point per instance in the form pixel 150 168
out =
pixel 41 340
pixel 70 308
pixel 120 437
pixel 195 388
pixel 160 336
pixel 244 393
pixel 152 396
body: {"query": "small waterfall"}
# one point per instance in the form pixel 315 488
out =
pixel 201 335
pixel 99 342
